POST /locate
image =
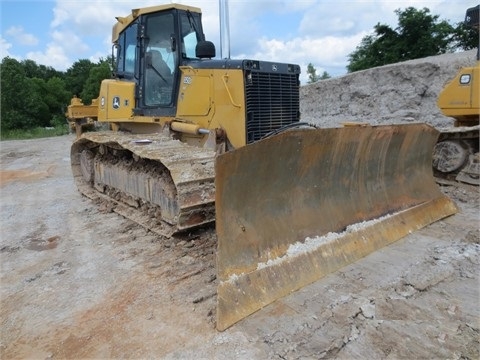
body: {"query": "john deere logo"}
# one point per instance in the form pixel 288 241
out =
pixel 116 102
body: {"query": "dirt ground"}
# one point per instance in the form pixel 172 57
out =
pixel 81 282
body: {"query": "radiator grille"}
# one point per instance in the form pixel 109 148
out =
pixel 272 101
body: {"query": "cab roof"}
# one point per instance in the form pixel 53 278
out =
pixel 124 22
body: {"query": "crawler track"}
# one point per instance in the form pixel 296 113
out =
pixel 160 183
pixel 456 156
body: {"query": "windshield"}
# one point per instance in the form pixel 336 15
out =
pixel 160 60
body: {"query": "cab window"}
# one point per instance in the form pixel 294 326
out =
pixel 160 60
pixel 127 52
pixel 190 28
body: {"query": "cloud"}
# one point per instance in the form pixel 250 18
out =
pixel 74 24
pixel 64 46
pixel 326 54
pixel 316 31
pixel 20 36
pixel 54 56
pixel 326 33
pixel 345 19
pixel 92 17
pixel 60 16
pixel 86 18
pixel 78 27
pixel 5 47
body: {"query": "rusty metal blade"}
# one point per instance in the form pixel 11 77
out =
pixel 297 206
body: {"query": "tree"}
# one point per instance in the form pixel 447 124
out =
pixel 33 70
pixel 312 73
pixel 31 95
pixel 14 95
pixel 36 107
pixel 35 95
pixel 91 87
pixel 419 34
pixel 325 75
pixel 465 37
pixel 56 98
pixel 77 75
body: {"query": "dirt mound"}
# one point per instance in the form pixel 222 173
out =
pixel 396 93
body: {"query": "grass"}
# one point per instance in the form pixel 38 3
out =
pixel 34 133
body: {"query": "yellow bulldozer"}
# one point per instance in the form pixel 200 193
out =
pixel 81 117
pixel 456 155
pixel 196 140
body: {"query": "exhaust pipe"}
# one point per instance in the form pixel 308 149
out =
pixel 224 29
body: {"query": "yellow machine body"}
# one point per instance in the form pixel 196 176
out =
pixel 456 156
pixel 208 98
pixel 198 140
pixel 460 98
pixel 80 116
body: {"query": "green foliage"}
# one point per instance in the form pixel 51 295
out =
pixel 325 75
pixel 57 96
pixel 35 133
pixel 92 84
pixel 422 34
pixel 77 75
pixel 35 97
pixel 419 34
pixel 465 37
pixel 312 73
pixel 59 121
pixel 32 70
pixel 37 109
pixel 16 95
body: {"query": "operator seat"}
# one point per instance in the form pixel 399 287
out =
pixel 159 64
pixel 158 80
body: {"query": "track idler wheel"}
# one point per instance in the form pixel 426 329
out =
pixel 450 155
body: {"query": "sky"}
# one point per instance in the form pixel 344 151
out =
pixel 321 32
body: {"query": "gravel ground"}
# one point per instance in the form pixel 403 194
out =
pixel 78 281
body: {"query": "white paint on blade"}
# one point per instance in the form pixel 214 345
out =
pixel 313 243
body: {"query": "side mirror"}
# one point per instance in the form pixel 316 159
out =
pixel 205 50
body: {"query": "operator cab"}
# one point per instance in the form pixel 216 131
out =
pixel 150 50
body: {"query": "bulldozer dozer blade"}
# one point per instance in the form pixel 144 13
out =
pixel 297 206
